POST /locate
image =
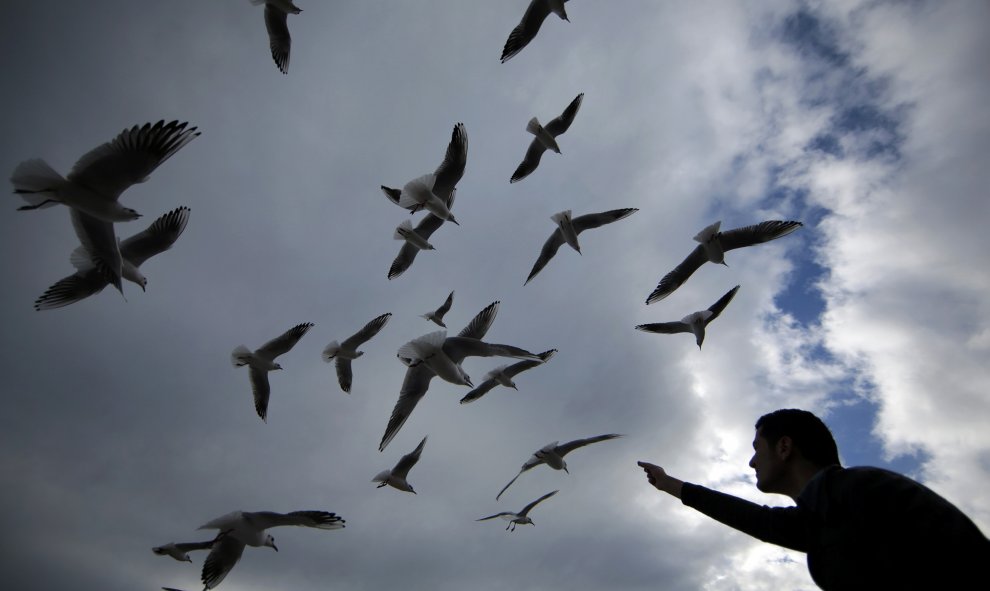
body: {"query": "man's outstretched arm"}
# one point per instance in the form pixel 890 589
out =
pixel 784 526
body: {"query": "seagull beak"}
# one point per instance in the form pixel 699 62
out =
pixel 274 546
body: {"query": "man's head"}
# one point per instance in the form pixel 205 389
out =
pixel 790 444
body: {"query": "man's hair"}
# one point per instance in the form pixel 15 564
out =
pixel 808 432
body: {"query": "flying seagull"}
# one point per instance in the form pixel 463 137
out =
pixel 433 191
pixel 529 26
pixel 568 229
pixel 443 354
pixel 181 550
pixel 503 375
pixel 396 477
pixel 545 139
pixel 713 246
pixel 347 351
pixel 240 528
pixel 134 251
pixel 276 21
pixel 436 316
pixel 262 361
pixel 102 174
pixel 424 229
pixel 418 376
pixel 553 454
pixel 696 322
pixel 522 517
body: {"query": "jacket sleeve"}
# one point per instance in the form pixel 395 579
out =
pixel 784 526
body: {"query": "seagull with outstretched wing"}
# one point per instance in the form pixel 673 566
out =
pixel 545 138
pixel 694 323
pixel 262 361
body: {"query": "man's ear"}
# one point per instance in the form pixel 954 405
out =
pixel 784 447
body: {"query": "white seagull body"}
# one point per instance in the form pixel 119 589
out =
pixel 529 26
pixel 552 454
pixel 424 229
pixel 262 361
pixel 443 355
pixel 567 232
pixel 346 351
pixel 100 176
pixel 240 528
pixel 503 375
pixel 436 316
pixel 712 247
pixel 405 231
pixel 89 278
pixel 396 477
pixel 522 517
pixel 694 323
pixel 545 139
pixel 276 21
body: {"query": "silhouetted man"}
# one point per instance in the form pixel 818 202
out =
pixel 862 528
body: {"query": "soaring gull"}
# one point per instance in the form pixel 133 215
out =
pixel 545 138
pixel 452 351
pixel 276 21
pixel 396 477
pixel 240 528
pixel 100 176
pixel 262 361
pixel 529 26
pixel 89 279
pixel 436 316
pixel 503 375
pixel 568 229
pixel 696 322
pixel 713 246
pixel 346 351
pixel 522 517
pixel 552 454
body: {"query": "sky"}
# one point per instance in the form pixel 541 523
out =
pixel 125 425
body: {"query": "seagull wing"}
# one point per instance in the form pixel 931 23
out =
pixel 560 124
pixel 157 238
pixel 530 161
pixel 262 520
pixel 344 375
pixel 71 289
pixel 442 310
pixel 671 281
pixel 517 368
pixel 527 28
pixel 129 158
pixel 414 387
pixel 409 460
pixel 407 254
pixel 502 514
pixel 190 546
pixel 458 348
pixel 572 445
pixel 262 390
pixel 276 21
pixel 369 330
pixel 450 171
pixel 595 220
pixel 482 321
pixel 224 555
pixel 530 506
pixel 720 305
pixel 484 388
pixel 284 342
pixel 755 234
pixel 665 327
pixel 549 249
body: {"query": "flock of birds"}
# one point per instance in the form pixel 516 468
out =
pixel 92 190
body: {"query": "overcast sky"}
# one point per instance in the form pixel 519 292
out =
pixel 125 425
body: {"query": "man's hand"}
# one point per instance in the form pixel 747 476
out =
pixel 660 479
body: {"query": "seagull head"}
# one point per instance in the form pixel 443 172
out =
pixel 270 541
pixel 186 558
pixel 277 366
